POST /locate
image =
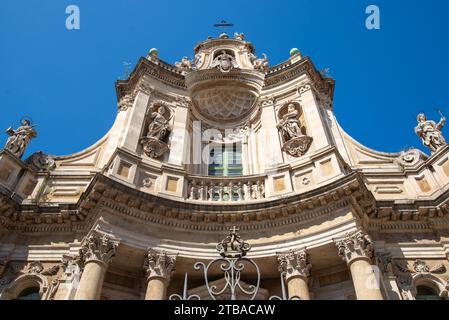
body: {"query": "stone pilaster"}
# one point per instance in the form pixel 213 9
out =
pixel 384 261
pixel 94 256
pixel 296 267
pixel 158 267
pixel 357 251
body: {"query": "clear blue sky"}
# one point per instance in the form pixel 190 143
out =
pixel 64 80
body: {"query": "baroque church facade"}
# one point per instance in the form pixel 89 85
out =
pixel 225 178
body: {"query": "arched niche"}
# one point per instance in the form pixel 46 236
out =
pixel 431 282
pixel 154 107
pixel 24 282
pixel 296 107
pixel 220 51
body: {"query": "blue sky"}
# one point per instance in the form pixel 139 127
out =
pixel 64 80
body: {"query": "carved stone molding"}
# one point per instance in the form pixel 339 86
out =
pixel 159 264
pixel 97 247
pixel 385 262
pixel 297 147
pixel 126 101
pixel 295 264
pixel 154 148
pixel 41 162
pixel 145 88
pixel 410 157
pixel 355 246
pixel 420 266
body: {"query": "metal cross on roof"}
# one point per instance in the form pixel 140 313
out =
pixel 223 24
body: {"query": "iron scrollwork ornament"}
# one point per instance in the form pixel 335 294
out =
pixel 232 263
pixel 185 296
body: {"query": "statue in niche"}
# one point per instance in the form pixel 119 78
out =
pixel 224 61
pixel 289 124
pixel 259 64
pixel 20 138
pixel 430 132
pixel 153 143
pixel 296 143
pixel 159 127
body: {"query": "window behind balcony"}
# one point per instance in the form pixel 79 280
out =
pixel 226 160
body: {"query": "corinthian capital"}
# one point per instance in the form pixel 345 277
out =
pixel 97 247
pixel 158 264
pixel 295 264
pixel 355 246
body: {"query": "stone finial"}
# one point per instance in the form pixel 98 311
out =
pixel 355 246
pixel 97 247
pixel 159 264
pixel 295 264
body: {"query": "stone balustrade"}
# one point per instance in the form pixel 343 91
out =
pixel 226 189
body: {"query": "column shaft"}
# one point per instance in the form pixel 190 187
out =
pixel 298 287
pixel 366 283
pixel 91 281
pixel 156 289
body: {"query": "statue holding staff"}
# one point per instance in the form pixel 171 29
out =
pixel 430 132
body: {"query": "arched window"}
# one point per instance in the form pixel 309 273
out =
pixel 427 293
pixel 31 293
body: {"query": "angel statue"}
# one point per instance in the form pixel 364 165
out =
pixel 430 132
pixel 186 64
pixel 159 127
pixel 289 124
pixel 259 64
pixel 20 138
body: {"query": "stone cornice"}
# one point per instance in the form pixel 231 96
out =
pixel 293 71
pixel 107 193
pixel 276 76
pixel 159 70
pixel 104 192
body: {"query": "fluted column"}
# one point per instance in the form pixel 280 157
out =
pixel 296 267
pixel 357 251
pixel 158 267
pixel 94 256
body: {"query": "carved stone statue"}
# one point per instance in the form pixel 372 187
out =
pixel 296 143
pixel 239 36
pixel 159 127
pixel 259 64
pixel 430 132
pixel 289 124
pixel 153 143
pixel 225 62
pixel 20 138
pixel 186 64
